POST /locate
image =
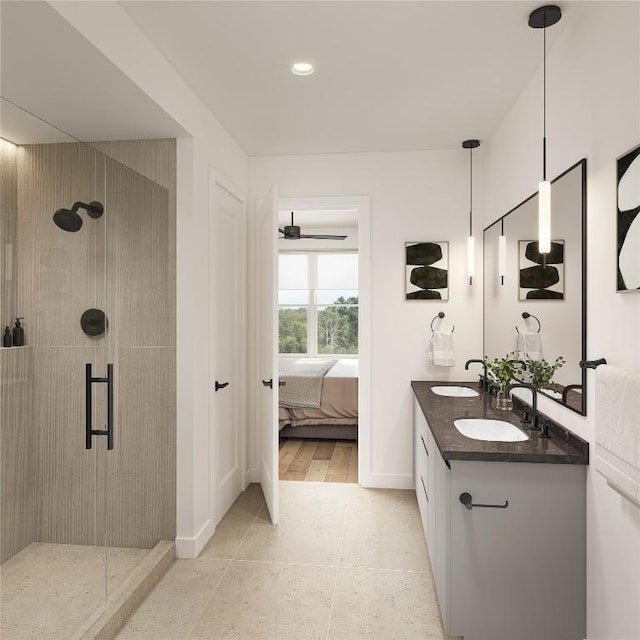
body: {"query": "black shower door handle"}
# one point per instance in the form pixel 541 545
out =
pixel 89 430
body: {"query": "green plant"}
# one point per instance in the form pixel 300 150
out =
pixel 540 372
pixel 501 371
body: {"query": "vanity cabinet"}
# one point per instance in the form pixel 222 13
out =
pixel 514 573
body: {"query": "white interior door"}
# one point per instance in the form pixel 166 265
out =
pixel 266 276
pixel 228 357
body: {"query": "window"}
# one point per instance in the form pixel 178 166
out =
pixel 318 304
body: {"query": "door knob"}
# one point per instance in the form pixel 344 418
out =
pixel 221 385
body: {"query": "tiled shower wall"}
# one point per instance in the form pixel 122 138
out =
pixel 130 273
pixel 8 215
pixel 17 433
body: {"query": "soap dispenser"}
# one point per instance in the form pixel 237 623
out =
pixel 6 338
pixel 18 334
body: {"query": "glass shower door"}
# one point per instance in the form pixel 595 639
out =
pixel 54 493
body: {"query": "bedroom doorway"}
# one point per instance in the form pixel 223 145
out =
pixel 323 340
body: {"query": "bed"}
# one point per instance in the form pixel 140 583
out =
pixel 336 417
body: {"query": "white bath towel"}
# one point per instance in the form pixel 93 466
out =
pixel 440 350
pixel 618 429
pixel 529 345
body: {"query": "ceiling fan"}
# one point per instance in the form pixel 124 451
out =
pixel 292 232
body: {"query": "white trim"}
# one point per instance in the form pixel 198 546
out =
pixel 386 481
pixel 190 547
pixel 217 179
pixel 363 205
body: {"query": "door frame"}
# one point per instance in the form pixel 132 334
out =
pixel 363 204
pixel 216 179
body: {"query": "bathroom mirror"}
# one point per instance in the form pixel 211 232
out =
pixel 550 294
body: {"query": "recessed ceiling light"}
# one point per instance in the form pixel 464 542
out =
pixel 302 69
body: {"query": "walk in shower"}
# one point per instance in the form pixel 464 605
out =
pixel 87 404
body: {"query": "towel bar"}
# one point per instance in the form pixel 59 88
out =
pixel 622 492
pixel 467 501
pixel 526 315
pixel 592 364
pixel 440 315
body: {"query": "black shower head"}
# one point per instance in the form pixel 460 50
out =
pixel 67 220
pixel 70 220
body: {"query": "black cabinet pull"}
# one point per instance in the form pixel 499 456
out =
pixel 89 430
pixel 221 385
pixel 424 488
pixel 424 444
pixel 269 383
pixel 467 501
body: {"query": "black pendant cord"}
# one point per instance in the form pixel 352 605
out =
pixel 471 199
pixel 470 192
pixel 502 234
pixel 544 101
pixel 544 114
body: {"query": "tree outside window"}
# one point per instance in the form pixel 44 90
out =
pixel 318 297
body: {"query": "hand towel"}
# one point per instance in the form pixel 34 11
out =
pixel 529 345
pixel 618 412
pixel 618 428
pixel 440 350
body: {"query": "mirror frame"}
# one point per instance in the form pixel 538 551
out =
pixel 582 164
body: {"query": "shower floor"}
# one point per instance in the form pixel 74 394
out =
pixel 48 590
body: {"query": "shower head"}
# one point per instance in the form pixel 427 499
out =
pixel 67 220
pixel 70 220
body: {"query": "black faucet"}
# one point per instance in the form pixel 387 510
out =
pixel 544 427
pixel 484 383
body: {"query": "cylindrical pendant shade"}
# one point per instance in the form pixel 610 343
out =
pixel 502 256
pixel 471 256
pixel 544 217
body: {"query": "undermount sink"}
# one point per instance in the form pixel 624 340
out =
pixel 455 392
pixel 492 430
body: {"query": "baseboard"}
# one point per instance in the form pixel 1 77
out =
pixel 386 481
pixel 190 548
pixel 252 475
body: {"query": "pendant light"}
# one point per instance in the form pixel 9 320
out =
pixel 471 241
pixel 502 253
pixel 541 18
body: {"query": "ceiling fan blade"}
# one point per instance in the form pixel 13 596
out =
pixel 281 231
pixel 323 237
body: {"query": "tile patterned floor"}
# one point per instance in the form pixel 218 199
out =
pixel 345 563
pixel 49 590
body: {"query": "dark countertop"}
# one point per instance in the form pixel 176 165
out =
pixel 562 447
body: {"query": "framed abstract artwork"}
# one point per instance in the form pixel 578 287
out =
pixel 628 220
pixel 427 270
pixel 540 278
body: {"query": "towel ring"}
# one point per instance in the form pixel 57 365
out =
pixel 440 315
pixel 526 315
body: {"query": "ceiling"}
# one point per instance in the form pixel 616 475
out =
pixel 389 75
pixel 52 71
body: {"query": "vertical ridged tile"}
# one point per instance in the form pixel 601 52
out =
pixel 61 274
pixel 124 263
pixel 8 219
pixel 139 265
pixel 141 467
pixel 155 160
pixel 71 479
pixel 18 451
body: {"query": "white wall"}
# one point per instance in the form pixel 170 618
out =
pixel 593 111
pixel 113 32
pixel 414 196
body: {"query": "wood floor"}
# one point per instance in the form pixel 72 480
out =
pixel 319 460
